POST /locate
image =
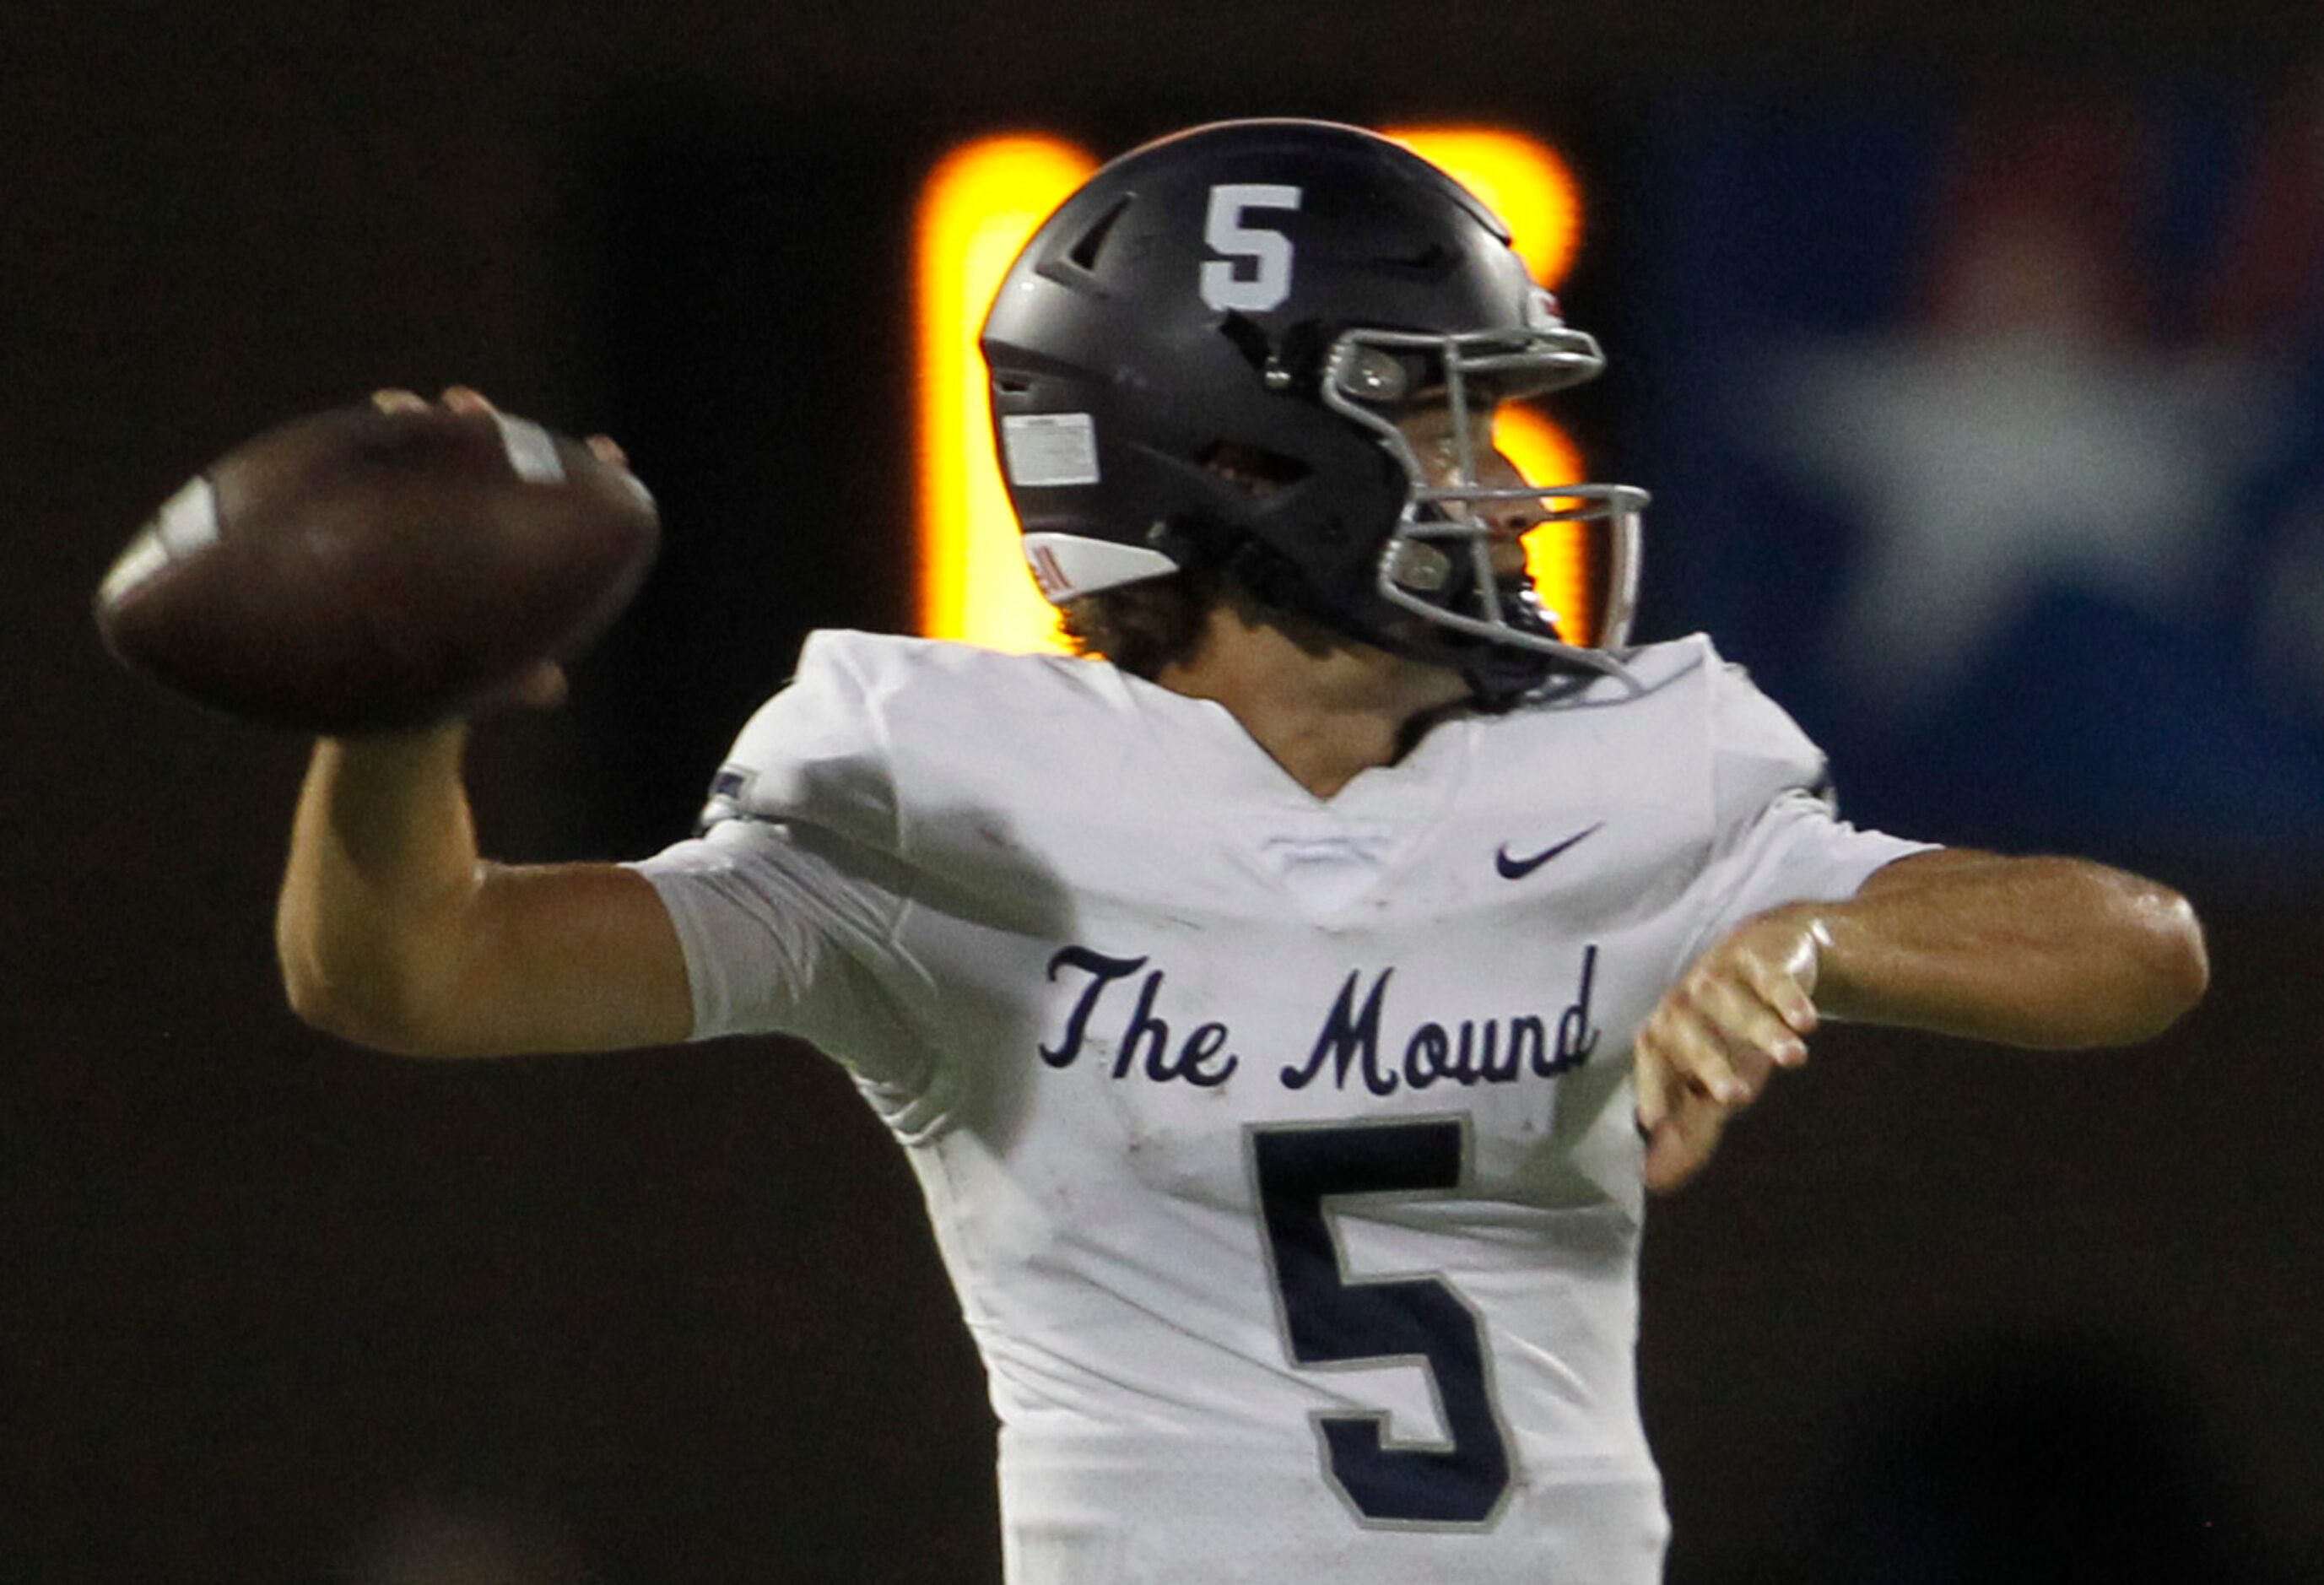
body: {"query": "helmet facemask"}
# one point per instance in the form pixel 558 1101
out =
pixel 1435 566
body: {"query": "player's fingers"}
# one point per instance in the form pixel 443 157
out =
pixel 397 400
pixel 1691 1044
pixel 608 450
pixel 543 687
pixel 1684 1144
pixel 466 399
pixel 1668 1164
pixel 1651 1074
pixel 1749 1028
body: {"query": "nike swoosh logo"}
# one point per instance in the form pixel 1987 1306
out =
pixel 1518 869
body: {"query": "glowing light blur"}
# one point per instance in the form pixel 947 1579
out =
pixel 980 206
pixel 1522 179
pixel 1558 555
pixel 1531 189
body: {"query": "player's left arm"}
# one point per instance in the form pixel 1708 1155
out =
pixel 2051 952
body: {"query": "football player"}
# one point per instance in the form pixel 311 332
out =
pixel 1286 1007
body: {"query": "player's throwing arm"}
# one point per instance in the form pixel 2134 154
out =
pixel 376 575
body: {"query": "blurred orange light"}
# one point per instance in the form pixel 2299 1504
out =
pixel 1557 555
pixel 1522 179
pixel 981 203
pixel 1531 189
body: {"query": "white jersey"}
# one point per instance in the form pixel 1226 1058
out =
pixel 1280 1149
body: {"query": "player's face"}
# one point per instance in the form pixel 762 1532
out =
pixel 1428 427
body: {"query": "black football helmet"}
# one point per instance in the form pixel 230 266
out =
pixel 1201 358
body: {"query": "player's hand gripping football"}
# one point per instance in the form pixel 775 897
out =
pixel 390 566
pixel 541 685
pixel 1744 1008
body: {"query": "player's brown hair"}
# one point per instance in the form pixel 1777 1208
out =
pixel 1145 627
pixel 1142 627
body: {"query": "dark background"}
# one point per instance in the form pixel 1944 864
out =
pixel 277 1309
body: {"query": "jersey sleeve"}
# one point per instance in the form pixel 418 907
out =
pixel 787 900
pixel 1777 836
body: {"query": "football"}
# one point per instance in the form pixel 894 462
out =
pixel 366 571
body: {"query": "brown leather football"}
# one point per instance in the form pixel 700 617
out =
pixel 364 571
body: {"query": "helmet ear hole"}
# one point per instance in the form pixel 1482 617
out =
pixel 1253 469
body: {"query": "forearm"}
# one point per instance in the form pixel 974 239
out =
pixel 2042 952
pixel 381 870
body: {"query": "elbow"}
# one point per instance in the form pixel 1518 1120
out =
pixel 360 1008
pixel 2171 961
pixel 314 1003
pixel 331 1009
pixel 2183 957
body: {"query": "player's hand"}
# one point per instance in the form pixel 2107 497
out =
pixel 542 686
pixel 465 399
pixel 1744 1008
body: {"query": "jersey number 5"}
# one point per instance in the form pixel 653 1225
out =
pixel 1329 1320
pixel 1225 283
